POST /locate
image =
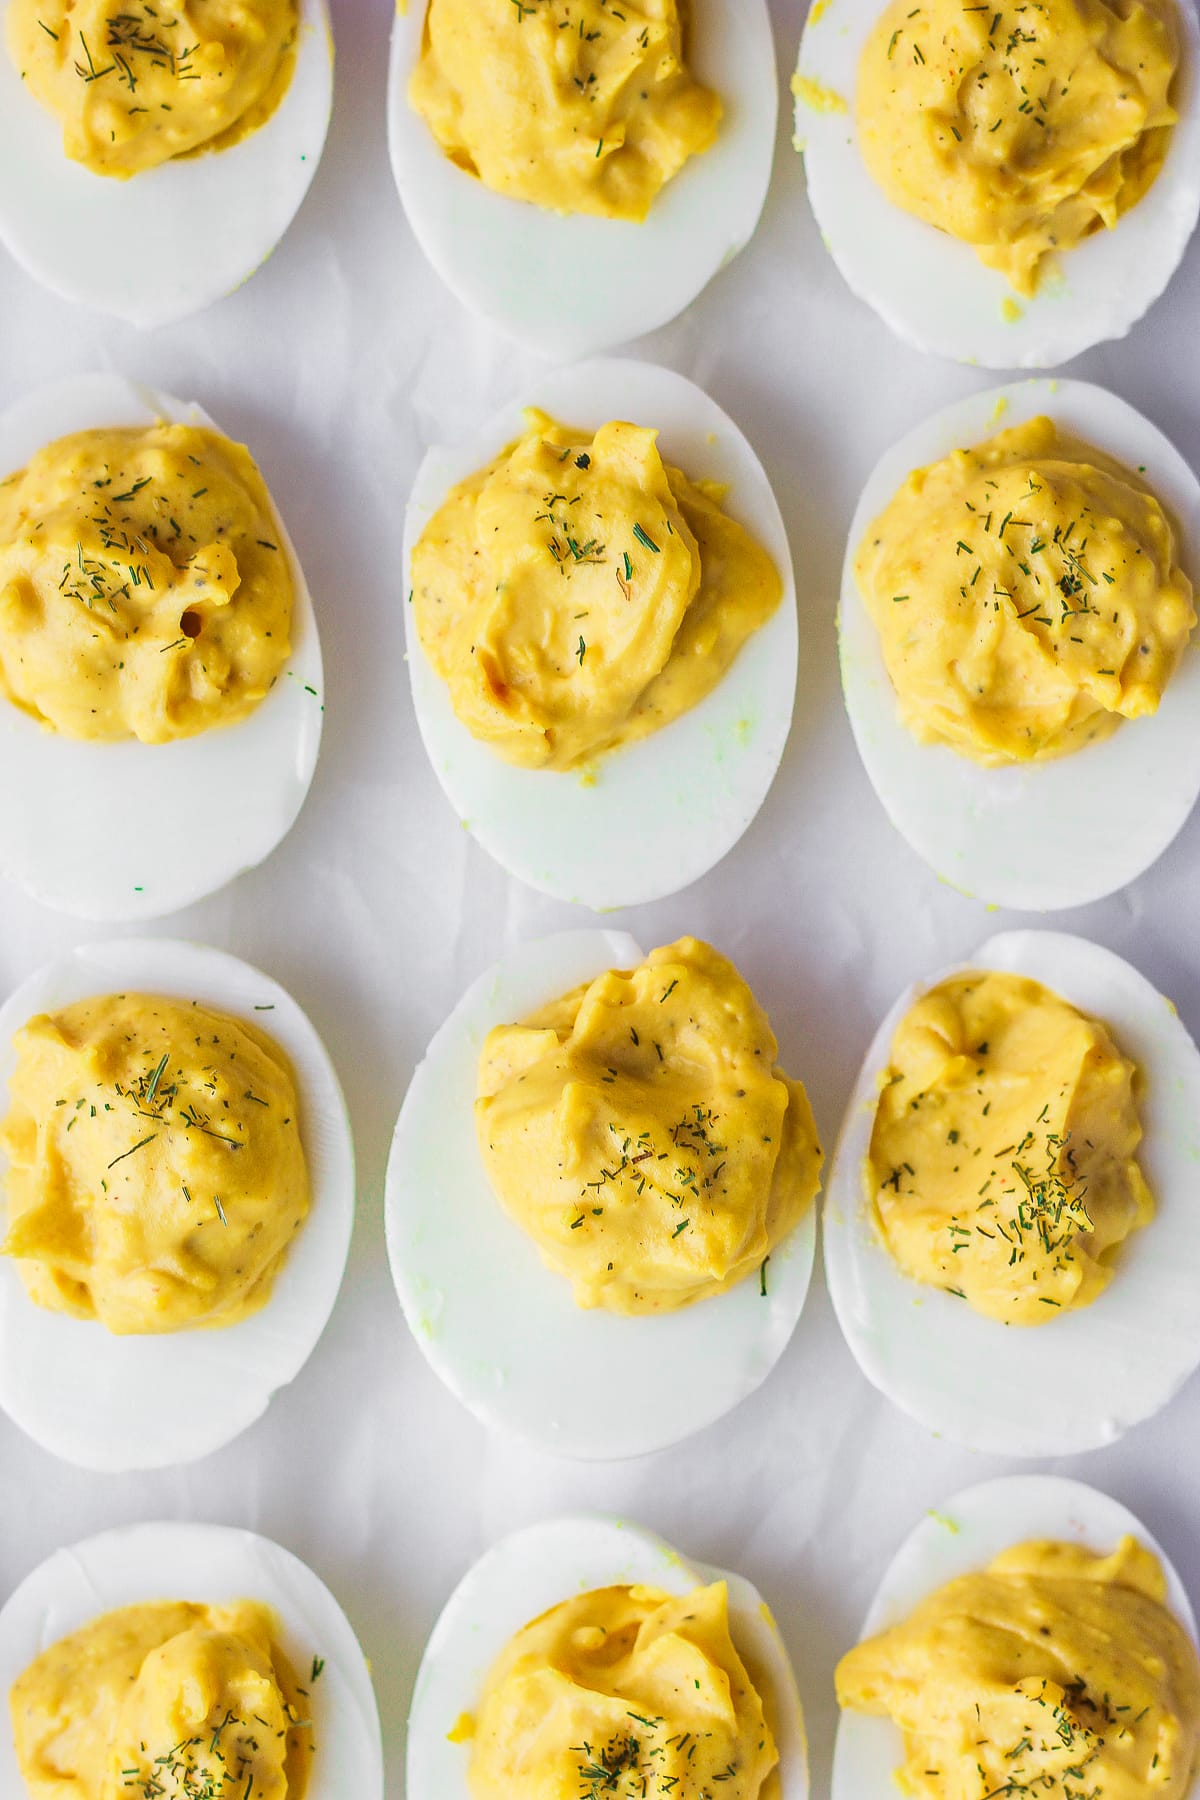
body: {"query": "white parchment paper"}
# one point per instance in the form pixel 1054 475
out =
pixel 338 363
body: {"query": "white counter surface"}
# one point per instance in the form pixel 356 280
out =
pixel 337 364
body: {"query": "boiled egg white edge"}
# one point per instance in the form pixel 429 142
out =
pixel 961 1537
pixel 147 1402
pixel 500 1329
pixel 650 819
pixel 930 288
pixel 214 1565
pixel 170 241
pixel 1036 836
pixel 1000 1389
pixel 526 1574
pixel 207 807
pixel 571 285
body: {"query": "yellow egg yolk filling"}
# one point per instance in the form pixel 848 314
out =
pixel 1002 1164
pixel 577 106
pixel 624 1690
pixel 1027 597
pixel 1054 1671
pixel 156 1174
pixel 134 84
pixel 166 1699
pixel 1019 129
pixel 578 594
pixel 640 1131
pixel 144 591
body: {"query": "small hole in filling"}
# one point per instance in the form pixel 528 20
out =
pixel 190 624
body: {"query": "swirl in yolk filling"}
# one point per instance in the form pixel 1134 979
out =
pixel 156 1177
pixel 579 593
pixel 1027 597
pixel 164 1701
pixel 1002 1164
pixel 137 82
pixel 640 1131
pixel 1055 1671
pixel 143 588
pixel 1021 128
pixel 622 1691
pixel 578 106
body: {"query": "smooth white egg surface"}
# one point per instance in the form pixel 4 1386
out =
pixel 1084 1378
pixel 962 1536
pixel 1037 836
pixel 207 807
pixel 572 285
pixel 524 1576
pixel 208 1564
pixel 171 240
pixel 932 289
pixel 682 796
pixel 147 1402
pixel 500 1329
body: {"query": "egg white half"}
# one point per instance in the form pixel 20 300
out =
pixel 572 285
pixel 129 830
pixel 120 1403
pixel 208 1564
pixel 500 1329
pixel 650 819
pixel 964 1535
pixel 998 1388
pixel 525 1575
pixel 932 289
pixel 167 242
pixel 1038 836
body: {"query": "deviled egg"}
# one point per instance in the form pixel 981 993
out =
pixel 686 792
pixel 1036 834
pixel 496 1319
pixel 128 828
pixel 569 1564
pixel 931 287
pixel 152 244
pixel 1120 1340
pixel 172 1386
pixel 1053 1530
pixel 218 1578
pixel 572 284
